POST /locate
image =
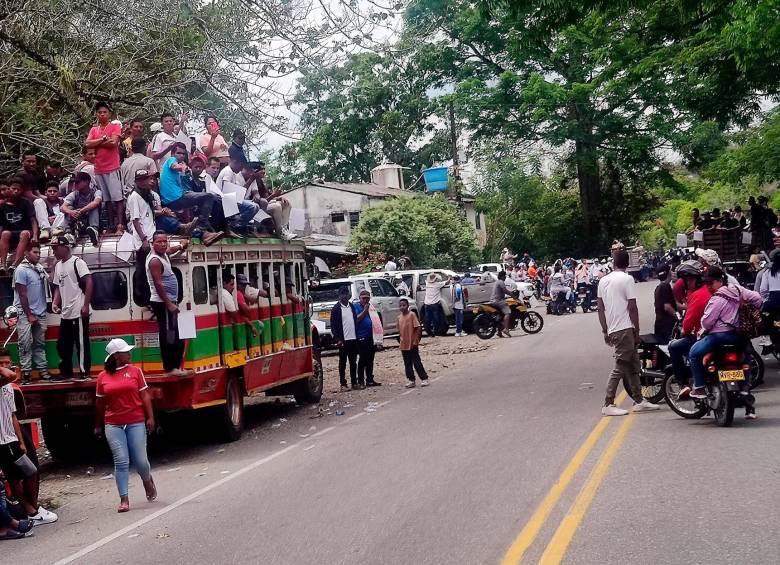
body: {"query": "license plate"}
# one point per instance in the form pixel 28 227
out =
pixel 325 315
pixel 79 399
pixel 725 376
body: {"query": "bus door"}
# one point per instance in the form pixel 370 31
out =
pixel 300 311
pixel 205 349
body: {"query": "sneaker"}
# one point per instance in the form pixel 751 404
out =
pixel 359 386
pixel 92 234
pixel 211 237
pixel 613 410
pixel 699 392
pixel 645 406
pixel 424 382
pixel 751 416
pixel 43 516
pixel 56 232
pixel 344 388
pixel 26 378
pixel 45 235
pixel 178 373
pixel 458 334
pixel 373 383
pixel 410 384
pixel 685 392
pixel 25 526
pixel 507 333
pixel 286 234
pixel 45 377
pixel 231 234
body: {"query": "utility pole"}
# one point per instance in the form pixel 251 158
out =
pixel 454 140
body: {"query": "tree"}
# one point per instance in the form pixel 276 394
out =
pixel 357 115
pixel 609 83
pixel 430 230
pixel 58 57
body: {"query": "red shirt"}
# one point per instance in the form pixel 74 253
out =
pixel 122 391
pixel 697 301
pixel 679 290
pixel 106 158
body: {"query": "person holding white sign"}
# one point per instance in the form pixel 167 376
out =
pixel 271 202
pixel 238 211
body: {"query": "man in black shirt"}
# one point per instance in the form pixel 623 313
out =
pixel 665 306
pixel 236 149
pixel 32 179
pixel 17 222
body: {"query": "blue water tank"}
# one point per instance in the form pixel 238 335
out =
pixel 436 179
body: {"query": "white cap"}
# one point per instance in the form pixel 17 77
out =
pixel 117 345
pixel 155 127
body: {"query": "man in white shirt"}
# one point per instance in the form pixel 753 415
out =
pixel 391 264
pixel 434 311
pixel 238 224
pixel 72 296
pixel 619 318
pixel 164 140
pixel 138 161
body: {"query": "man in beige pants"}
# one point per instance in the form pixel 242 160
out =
pixel 619 318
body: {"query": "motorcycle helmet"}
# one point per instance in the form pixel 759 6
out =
pixel 690 269
pixel 709 256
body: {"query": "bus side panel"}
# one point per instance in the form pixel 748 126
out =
pixel 208 388
pixel 265 317
pixel 277 368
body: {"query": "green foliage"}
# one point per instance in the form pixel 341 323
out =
pixel 430 230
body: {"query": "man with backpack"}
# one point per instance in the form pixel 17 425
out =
pixel 72 296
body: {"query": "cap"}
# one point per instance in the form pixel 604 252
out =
pixel 63 239
pixel 142 173
pixel 241 278
pixel 155 127
pixel 117 345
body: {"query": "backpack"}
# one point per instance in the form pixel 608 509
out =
pixel 749 323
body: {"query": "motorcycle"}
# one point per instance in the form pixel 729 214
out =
pixel 728 384
pixel 488 319
pixel 558 305
pixel 772 322
pixel 585 296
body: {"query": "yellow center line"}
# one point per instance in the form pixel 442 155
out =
pixel 556 549
pixel 527 536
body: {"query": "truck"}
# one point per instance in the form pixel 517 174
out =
pixel 226 362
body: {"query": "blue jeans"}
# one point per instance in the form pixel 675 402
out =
pixel 168 224
pixel 458 319
pixel 433 317
pixel 678 351
pixel 704 346
pixel 246 211
pixel 128 445
pixel 5 517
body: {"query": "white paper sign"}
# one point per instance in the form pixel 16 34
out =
pixel 297 219
pixel 212 187
pixel 232 188
pixel 261 215
pixel 747 238
pixel 125 246
pixel 682 240
pixel 187 324
pixel 698 236
pixel 229 204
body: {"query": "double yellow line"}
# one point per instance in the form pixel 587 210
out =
pixel 556 549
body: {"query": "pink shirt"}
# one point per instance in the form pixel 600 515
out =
pixel 217 150
pixel 106 158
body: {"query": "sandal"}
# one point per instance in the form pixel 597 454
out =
pixel 124 506
pixel 151 490
pixel 12 534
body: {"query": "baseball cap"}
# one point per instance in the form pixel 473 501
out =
pixel 117 345
pixel 63 239
pixel 241 278
pixel 155 127
pixel 142 173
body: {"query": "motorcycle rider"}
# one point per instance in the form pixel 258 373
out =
pixel 498 300
pixel 582 278
pixel 665 306
pixel 769 286
pixel 558 285
pixel 720 320
pixel 691 273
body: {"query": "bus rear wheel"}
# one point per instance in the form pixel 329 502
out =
pixel 309 391
pixel 232 415
pixel 70 438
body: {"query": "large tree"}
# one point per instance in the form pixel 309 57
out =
pixel 606 83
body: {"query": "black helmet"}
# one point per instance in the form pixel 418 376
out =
pixel 690 269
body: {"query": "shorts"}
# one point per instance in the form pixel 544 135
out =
pixel 9 453
pixel 502 306
pixel 15 238
pixel 110 185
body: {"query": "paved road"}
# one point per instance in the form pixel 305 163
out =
pixel 509 462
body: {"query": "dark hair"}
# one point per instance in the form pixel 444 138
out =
pixel 51 184
pixel 403 299
pixel 240 159
pixel 227 276
pixel 32 152
pixel 16 180
pixel 138 144
pixel 82 176
pixel 238 133
pixel 209 117
pixel 344 290
pixel 135 121
pixel 101 104
pixel 159 232
pixel 178 145
pixel 55 165
pixel 775 264
pixel 213 159
pixel 110 365
pixel 501 275
pixel 166 115
pixel 32 244
pixel 5 181
pixel 620 257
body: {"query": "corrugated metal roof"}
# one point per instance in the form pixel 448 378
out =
pixel 367 189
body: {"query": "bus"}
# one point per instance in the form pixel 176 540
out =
pixel 227 361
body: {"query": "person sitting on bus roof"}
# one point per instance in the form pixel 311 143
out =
pixel 82 207
pixel 173 195
pixel 271 201
pixel 17 222
pixel 51 220
pixel 238 224
pixel 237 308
pixel 164 296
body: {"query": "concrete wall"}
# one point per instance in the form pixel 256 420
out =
pixel 479 227
pixel 322 203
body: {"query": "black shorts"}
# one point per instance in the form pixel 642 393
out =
pixel 9 453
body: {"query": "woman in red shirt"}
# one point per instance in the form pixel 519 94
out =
pixel 125 406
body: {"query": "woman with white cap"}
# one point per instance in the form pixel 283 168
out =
pixel 124 405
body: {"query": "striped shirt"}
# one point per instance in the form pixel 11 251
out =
pixel 7 409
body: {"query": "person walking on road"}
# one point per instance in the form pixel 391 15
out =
pixel 343 325
pixel 30 298
pixel 123 411
pixel 460 297
pixel 619 318
pixel 410 333
pixel 72 296
pixel 365 341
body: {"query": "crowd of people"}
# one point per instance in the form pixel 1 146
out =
pixel 125 182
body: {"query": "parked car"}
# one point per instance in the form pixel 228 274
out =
pixel 325 294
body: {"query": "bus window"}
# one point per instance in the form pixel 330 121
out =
pixel 253 275
pixel 110 290
pixel 180 282
pixel 200 287
pixel 213 283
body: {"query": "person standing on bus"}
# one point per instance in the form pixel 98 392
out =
pixel 343 323
pixel 164 293
pixel 30 299
pixel 124 414
pixel 72 297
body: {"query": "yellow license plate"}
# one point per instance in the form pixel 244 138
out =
pixel 777 323
pixel 731 376
pixel 325 315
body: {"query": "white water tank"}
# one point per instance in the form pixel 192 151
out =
pixel 388 175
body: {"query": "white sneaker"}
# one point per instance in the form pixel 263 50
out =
pixel 613 410
pixel 424 382
pixel 751 416
pixel 43 516
pixel 287 235
pixel 410 384
pixel 645 406
pixel 458 334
